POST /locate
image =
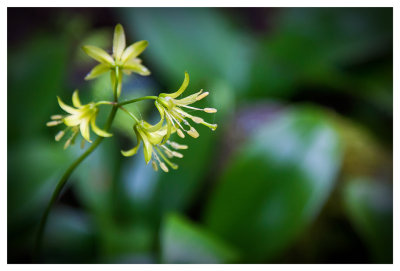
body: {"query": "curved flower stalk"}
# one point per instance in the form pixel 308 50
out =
pixel 80 118
pixel 155 150
pixel 173 110
pixel 122 59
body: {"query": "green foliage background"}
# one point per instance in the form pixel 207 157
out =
pixel 299 170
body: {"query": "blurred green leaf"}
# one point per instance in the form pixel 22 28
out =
pixel 42 65
pixel 30 189
pixel 276 183
pixel 317 46
pixel 126 243
pixel 369 206
pixel 184 242
pixel 201 41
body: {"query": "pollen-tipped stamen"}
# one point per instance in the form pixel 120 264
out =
pixel 56 117
pixel 67 143
pixel 53 123
pixel 213 127
pixel 193 133
pixel 177 146
pixel 180 133
pixel 154 165
pixel 172 165
pixel 162 164
pixel 59 135
pixel 197 119
pixel 163 167
pixel 174 121
pixel 167 151
pixel 201 96
pixel 177 154
pixel 210 110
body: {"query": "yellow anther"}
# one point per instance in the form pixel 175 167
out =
pixel 201 96
pixel 193 133
pixel 180 133
pixel 53 123
pixel 59 135
pixel 164 167
pixel 210 110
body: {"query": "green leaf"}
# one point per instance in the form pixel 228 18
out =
pixel 369 206
pixel 126 243
pixel 184 242
pixel 200 41
pixel 35 183
pixel 276 184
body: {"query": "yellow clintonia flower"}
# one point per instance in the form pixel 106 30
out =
pixel 154 148
pixel 79 119
pixel 172 109
pixel 123 58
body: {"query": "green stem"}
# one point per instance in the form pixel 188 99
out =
pixel 129 113
pixel 64 180
pixel 138 100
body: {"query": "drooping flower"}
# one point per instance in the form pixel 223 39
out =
pixel 172 109
pixel 154 148
pixel 126 59
pixel 79 119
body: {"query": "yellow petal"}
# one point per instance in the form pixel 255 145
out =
pixel 119 41
pixel 134 50
pixel 132 151
pixel 97 70
pixel 169 131
pixel 67 108
pixel 97 130
pixel 98 54
pixel 134 66
pixel 191 98
pixel 84 126
pixel 160 123
pixel 72 120
pixel 147 146
pixel 75 99
pixel 181 89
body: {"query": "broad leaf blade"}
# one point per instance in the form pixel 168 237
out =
pixel 276 184
pixel 184 242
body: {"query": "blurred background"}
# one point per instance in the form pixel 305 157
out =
pixel 298 171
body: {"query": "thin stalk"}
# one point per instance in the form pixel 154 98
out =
pixel 138 100
pixel 129 113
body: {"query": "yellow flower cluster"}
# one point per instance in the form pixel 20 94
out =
pixel 157 146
